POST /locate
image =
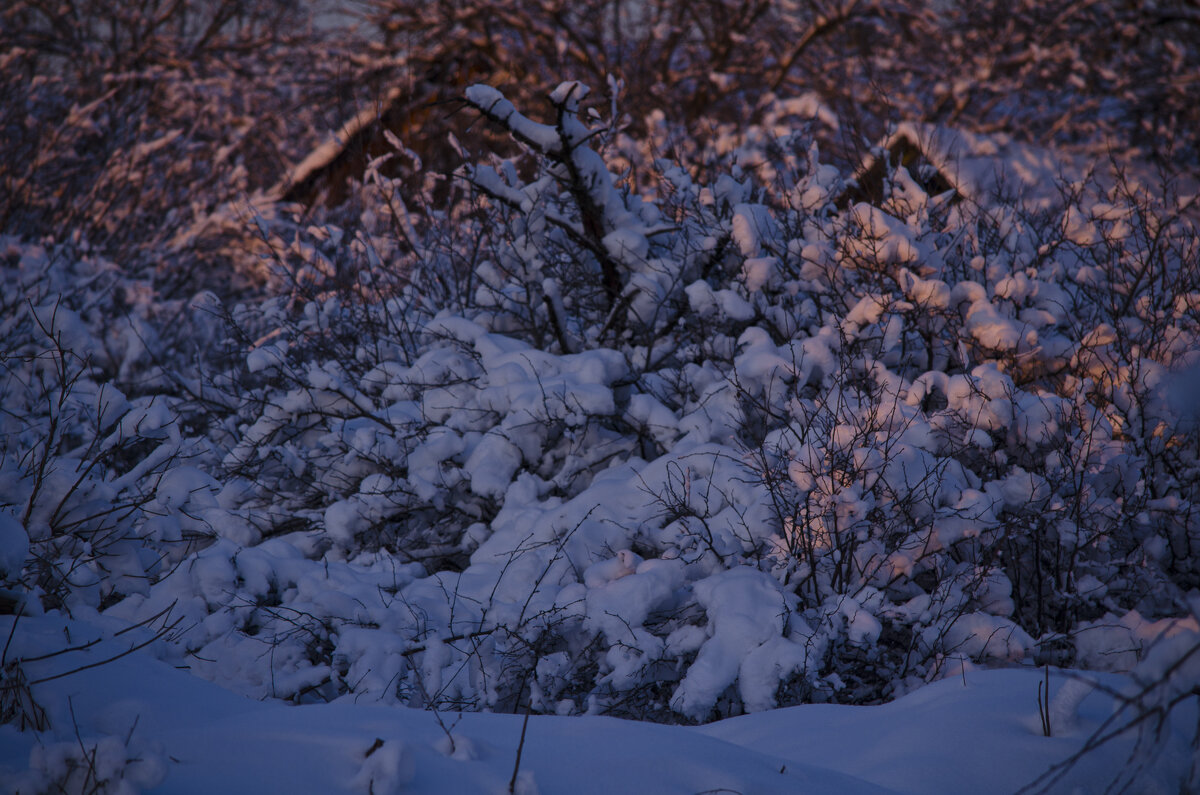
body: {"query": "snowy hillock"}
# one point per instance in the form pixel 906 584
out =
pixel 668 448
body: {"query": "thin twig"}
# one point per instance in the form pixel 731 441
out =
pixel 161 634
pixel 512 782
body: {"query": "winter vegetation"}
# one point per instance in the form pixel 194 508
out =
pixel 391 399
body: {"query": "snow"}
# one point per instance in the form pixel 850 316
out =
pixel 746 610
pixel 759 272
pixel 752 228
pixel 961 735
pixel 978 166
pixel 14 545
pixel 492 102
pixel 980 635
pixel 186 735
pixel 887 239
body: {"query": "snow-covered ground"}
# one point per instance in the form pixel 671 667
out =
pixel 977 733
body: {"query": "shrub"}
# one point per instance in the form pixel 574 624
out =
pixel 685 453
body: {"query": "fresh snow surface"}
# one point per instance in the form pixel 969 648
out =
pixel 978 733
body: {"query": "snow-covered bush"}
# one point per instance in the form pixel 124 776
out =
pixel 956 460
pixel 95 766
pixel 1163 660
pixel 95 499
pixel 706 447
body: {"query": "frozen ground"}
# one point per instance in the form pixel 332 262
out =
pixel 978 733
